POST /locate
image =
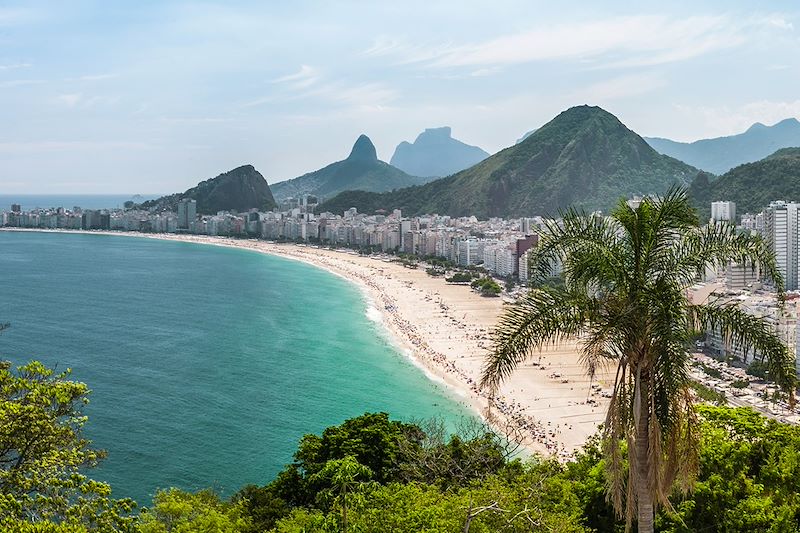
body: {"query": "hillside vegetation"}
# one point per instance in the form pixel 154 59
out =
pixel 585 157
pixel 361 170
pixel 374 474
pixel 240 189
pixel 753 185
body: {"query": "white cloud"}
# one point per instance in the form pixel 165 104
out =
pixel 780 22
pixel 309 84
pixel 617 88
pixel 70 100
pixel 195 120
pixel 94 77
pixel 34 147
pixel 18 83
pixel 628 41
pixel 305 77
pixel 406 53
pixel 15 66
pixel 716 121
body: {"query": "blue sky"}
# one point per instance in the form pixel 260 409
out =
pixel 151 97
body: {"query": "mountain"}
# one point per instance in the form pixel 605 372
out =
pixel 721 154
pixel 436 153
pixel 361 170
pixel 528 134
pixel 240 189
pixel 584 157
pixel 753 185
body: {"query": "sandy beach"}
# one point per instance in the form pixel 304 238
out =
pixel 549 404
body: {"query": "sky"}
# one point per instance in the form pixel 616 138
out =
pixel 153 96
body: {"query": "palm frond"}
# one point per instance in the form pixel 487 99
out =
pixel 543 316
pixel 714 246
pixel 750 332
pixel 576 235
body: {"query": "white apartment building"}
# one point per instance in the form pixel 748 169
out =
pixel 723 211
pixel 506 258
pixel 468 251
pixel 782 320
pixel 781 231
pixel 524 275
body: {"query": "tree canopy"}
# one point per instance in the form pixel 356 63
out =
pixel 625 297
pixel 43 456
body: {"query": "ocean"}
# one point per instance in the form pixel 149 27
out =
pixel 206 364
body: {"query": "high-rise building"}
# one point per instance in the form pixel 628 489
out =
pixel 723 211
pixel 780 230
pixel 16 208
pixel 523 245
pixel 405 228
pixel 187 213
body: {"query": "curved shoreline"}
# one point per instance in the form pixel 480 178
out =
pixel 445 329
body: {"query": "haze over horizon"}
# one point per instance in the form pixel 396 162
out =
pixel 152 97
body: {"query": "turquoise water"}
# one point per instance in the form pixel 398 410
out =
pixel 206 364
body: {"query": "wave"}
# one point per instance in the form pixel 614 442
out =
pixel 373 314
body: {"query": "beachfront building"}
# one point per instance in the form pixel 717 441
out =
pixel 187 213
pixel 468 251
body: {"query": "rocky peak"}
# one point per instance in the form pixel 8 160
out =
pixel 363 150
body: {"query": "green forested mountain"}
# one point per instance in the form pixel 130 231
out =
pixel 721 154
pixel 361 170
pixel 240 189
pixel 585 157
pixel 752 185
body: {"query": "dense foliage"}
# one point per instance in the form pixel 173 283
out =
pixel 43 456
pixel 486 286
pixel 239 189
pixel 625 295
pixel 373 474
pixel 389 451
pixel 584 157
pixel 753 185
pixel 748 467
pixel 461 277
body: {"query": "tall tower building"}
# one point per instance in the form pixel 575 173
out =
pixel 780 230
pixel 187 213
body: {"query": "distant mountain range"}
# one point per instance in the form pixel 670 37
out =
pixel 240 189
pixel 361 170
pixel 584 157
pixel 723 153
pixel 436 154
pixel 752 185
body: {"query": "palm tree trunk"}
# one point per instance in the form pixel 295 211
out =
pixel 644 495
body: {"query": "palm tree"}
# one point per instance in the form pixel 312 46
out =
pixel 344 475
pixel 625 297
